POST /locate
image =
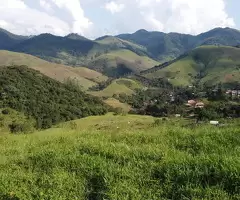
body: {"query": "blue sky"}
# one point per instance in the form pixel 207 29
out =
pixel 94 18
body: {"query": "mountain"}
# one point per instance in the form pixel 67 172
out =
pixel 51 47
pixel 75 36
pixel 104 54
pixel 46 100
pixel 116 43
pixel 121 62
pixel 116 56
pixel 208 65
pixel 118 86
pixel 83 76
pixel 8 39
pixel 165 47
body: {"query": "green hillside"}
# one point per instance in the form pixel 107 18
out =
pixel 114 103
pixel 167 46
pixel 44 99
pixel 207 64
pixel 83 76
pixel 12 121
pixel 118 86
pixel 116 55
pixel 117 43
pixel 122 157
pixel 121 62
pixel 76 50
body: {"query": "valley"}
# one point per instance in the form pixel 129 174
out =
pixel 146 115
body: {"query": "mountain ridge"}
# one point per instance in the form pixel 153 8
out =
pixel 118 55
pixel 167 46
pixel 209 65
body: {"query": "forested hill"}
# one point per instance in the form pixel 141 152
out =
pixel 167 46
pixel 46 100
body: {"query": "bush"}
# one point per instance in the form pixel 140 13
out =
pixel 19 127
pixel 119 111
pixel 16 128
pixel 5 112
pixel 157 122
pixel 207 114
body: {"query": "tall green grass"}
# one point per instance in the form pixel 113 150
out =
pixel 122 157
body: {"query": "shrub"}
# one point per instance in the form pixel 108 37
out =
pixel 5 112
pixel 157 122
pixel 20 127
pixel 119 111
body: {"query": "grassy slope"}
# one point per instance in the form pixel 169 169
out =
pixel 93 159
pixel 117 104
pixel 78 51
pixel 56 71
pixel 220 64
pixel 118 86
pixel 117 42
pixel 12 116
pixel 125 57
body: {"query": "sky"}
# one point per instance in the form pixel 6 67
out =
pixel 95 18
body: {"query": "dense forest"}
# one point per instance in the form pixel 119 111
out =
pixel 46 100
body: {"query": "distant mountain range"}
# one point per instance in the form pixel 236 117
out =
pixel 142 51
pixel 162 46
pixel 115 55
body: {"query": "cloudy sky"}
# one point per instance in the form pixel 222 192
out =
pixel 94 18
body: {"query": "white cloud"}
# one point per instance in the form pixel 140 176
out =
pixel 64 16
pixel 3 24
pixel 184 16
pixel 79 21
pixel 195 16
pixel 114 7
pixel 19 18
pixel 12 4
pixel 153 21
pixel 47 6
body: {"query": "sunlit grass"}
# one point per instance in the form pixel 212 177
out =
pixel 122 157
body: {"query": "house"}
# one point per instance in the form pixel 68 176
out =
pixel 229 92
pixel 195 104
pixel 233 93
pixel 191 103
pixel 199 105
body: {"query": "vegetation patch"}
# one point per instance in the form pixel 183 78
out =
pixel 122 157
pixel 208 65
pixel 46 100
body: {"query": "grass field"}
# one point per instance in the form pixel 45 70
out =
pixel 117 42
pixel 117 104
pixel 118 86
pixel 215 63
pixel 130 59
pixel 122 157
pixel 85 77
